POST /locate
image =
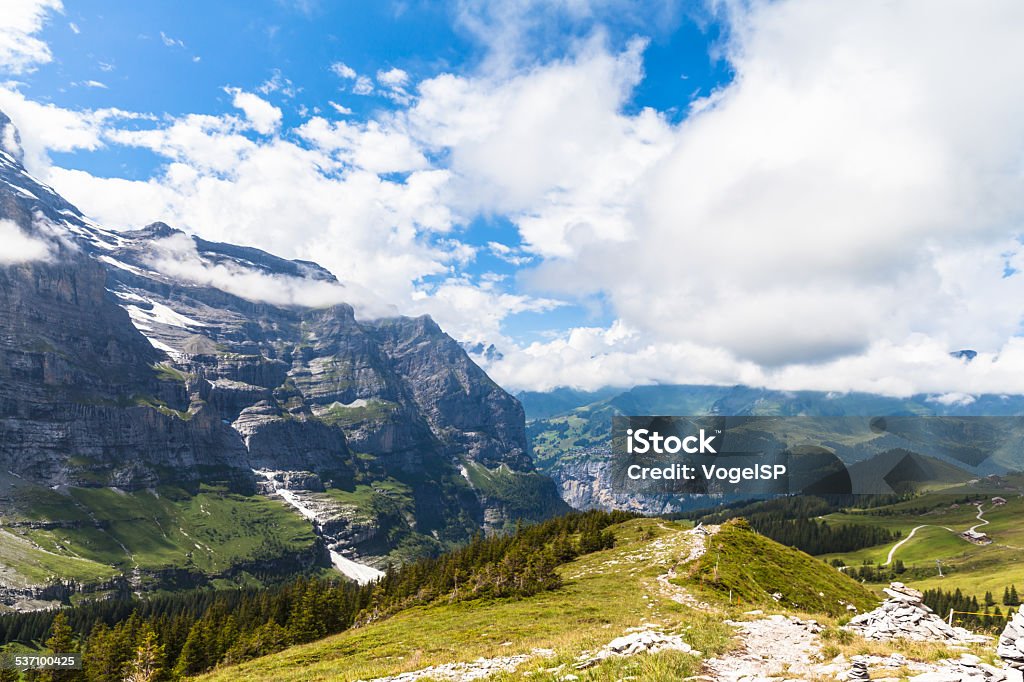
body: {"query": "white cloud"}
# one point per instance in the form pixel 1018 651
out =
pixel 393 78
pixel 394 81
pixel 171 42
pixel 264 116
pixel 827 220
pixel 94 84
pixel 368 146
pixel 343 70
pixel 74 27
pixel 317 197
pixel 550 147
pixel 20 50
pixel 19 247
pixel 178 257
pixel 278 83
pixel 475 312
pixel 363 86
pixel 340 108
pixel 198 143
pixel 513 256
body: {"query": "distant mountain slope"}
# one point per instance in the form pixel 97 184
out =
pixel 543 404
pixel 573 446
pixel 148 359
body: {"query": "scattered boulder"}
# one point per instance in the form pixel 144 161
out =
pixel 643 642
pixel 479 669
pixel 967 668
pixel 858 672
pixel 903 615
pixel 1011 643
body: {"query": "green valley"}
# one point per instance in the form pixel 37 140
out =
pixel 91 535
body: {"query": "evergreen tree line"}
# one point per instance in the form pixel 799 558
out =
pixel 169 637
pixel 793 506
pixel 819 537
pixel 992 618
pixel 792 521
pixel 787 507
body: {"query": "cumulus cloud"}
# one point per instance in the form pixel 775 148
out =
pixel 368 146
pixel 363 86
pixel 20 247
pixel 474 312
pixel 550 148
pixel 20 49
pixel 320 197
pixel 264 116
pixel 394 81
pixel 394 77
pixel 340 108
pixel 343 70
pixel 827 220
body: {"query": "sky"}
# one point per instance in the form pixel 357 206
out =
pixel 790 194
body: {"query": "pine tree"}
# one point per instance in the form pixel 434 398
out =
pixel 305 623
pixel 1014 599
pixel 1006 596
pixel 989 599
pixel 106 654
pixel 193 658
pixel 61 641
pixel 148 663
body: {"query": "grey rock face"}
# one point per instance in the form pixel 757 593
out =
pixel 585 482
pixel 76 378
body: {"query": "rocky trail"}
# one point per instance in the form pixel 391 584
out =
pixel 773 648
pixel 694 544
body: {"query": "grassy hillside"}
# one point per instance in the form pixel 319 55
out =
pixel 603 594
pixel 89 534
pixel 751 568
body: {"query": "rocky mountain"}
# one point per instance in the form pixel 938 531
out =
pixel 149 359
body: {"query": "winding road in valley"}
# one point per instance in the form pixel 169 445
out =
pixel 984 522
pixel 892 551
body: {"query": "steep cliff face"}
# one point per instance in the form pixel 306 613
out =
pixel 140 359
pixel 77 379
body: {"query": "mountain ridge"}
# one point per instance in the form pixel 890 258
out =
pixel 143 359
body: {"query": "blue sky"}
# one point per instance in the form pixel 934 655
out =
pixel 778 193
pixel 176 58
